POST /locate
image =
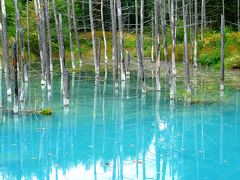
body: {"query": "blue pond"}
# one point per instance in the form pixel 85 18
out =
pixel 109 134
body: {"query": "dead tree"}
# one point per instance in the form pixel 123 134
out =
pixel 157 45
pixel 70 34
pixel 195 34
pixel 94 41
pixel 20 40
pixel 186 64
pixel 114 42
pixel 128 62
pixel 76 33
pixel 66 87
pixel 139 43
pixel 238 14
pixel 103 31
pixel 49 36
pixel 58 37
pixel 172 23
pixel 61 42
pixel 43 26
pixel 164 36
pixel 28 39
pixel 222 52
pixel 121 40
pixel 152 52
pixel 15 69
pixel 38 16
pixel 202 19
pixel 5 48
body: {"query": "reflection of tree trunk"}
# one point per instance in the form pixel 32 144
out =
pixel 157 136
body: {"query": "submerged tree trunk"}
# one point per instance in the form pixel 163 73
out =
pixel 157 48
pixel 76 33
pixel 222 52
pixel 61 41
pixel 38 15
pixel 49 36
pixel 70 34
pixel 94 41
pixel 186 64
pixel 104 34
pixel 121 40
pixel 5 48
pixel 114 42
pixel 58 37
pixel 195 34
pixel 28 39
pixel 15 69
pixel 139 43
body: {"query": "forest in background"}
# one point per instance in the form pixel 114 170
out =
pixel 208 50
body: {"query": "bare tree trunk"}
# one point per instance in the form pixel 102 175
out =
pixel 84 18
pixel 76 33
pixel 238 14
pixel 15 69
pixel 70 34
pixel 195 34
pixel 176 18
pixel 66 87
pixel 128 61
pixel 94 42
pixel 139 43
pixel 157 48
pixel 38 15
pixel 186 64
pixel 121 40
pixel 222 53
pixel 61 42
pixel 19 36
pixel 5 48
pixel 202 20
pixel 172 23
pixel 28 39
pixel 49 36
pixel 58 36
pixel 114 42
pixel 104 34
pixel 152 52
pixel 164 36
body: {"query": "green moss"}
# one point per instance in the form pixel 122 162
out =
pixel 46 112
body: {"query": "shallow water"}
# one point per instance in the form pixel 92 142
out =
pixel 106 134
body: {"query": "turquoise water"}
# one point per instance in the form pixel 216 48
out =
pixel 105 134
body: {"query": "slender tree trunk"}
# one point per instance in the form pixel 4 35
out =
pixel 94 41
pixel 164 36
pixel 104 34
pixel 38 16
pixel 121 40
pixel 128 61
pixel 157 48
pixel 84 18
pixel 195 34
pixel 66 87
pixel 70 34
pixel 114 42
pixel 202 20
pixel 172 23
pixel 222 53
pixel 186 64
pixel 76 33
pixel 139 43
pixel 28 39
pixel 238 14
pixel 19 36
pixel 152 52
pixel 5 48
pixel 58 36
pixel 61 41
pixel 49 36
pixel 176 18
pixel 15 69
pixel 44 44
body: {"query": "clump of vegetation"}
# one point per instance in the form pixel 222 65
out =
pixel 46 112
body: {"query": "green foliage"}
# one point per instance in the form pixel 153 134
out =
pixel 46 112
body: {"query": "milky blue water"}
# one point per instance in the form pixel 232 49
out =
pixel 105 134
